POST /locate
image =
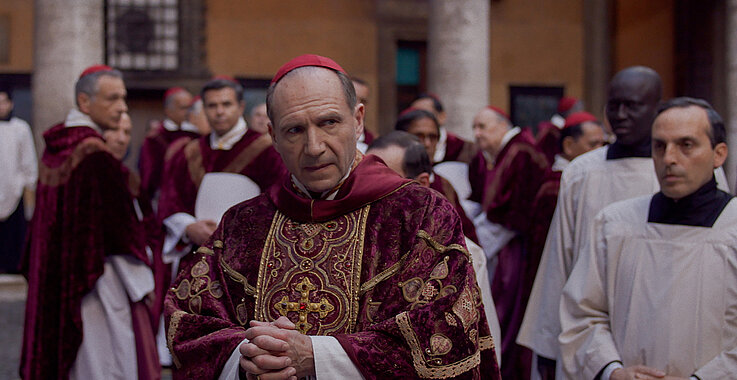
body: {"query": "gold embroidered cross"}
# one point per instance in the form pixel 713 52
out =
pixel 304 306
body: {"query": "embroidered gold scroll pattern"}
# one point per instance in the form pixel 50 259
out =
pixel 329 256
pixel 385 274
pixel 418 292
pixel 432 368
pixel 201 282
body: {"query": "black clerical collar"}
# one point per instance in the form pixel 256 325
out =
pixel 700 209
pixel 617 151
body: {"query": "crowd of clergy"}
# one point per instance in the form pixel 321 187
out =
pixel 298 244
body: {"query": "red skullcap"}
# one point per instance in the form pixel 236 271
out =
pixel 578 118
pixel 499 111
pixel 565 103
pixel 173 91
pixel 307 60
pixel 93 69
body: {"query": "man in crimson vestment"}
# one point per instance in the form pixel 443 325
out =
pixel 519 170
pixel 174 127
pixel 86 262
pixel 343 269
pixel 231 147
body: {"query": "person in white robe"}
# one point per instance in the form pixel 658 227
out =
pixel 654 291
pixel 592 181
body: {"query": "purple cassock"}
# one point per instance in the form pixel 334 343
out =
pixel 153 155
pixel 511 186
pixel 382 268
pixel 84 212
pixel 253 156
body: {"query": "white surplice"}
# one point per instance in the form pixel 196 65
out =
pixel 588 184
pixel 659 295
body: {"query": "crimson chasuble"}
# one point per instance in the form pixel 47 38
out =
pixel 84 211
pixel 511 187
pixel 253 156
pixel 382 268
pixel 153 152
pixel 442 185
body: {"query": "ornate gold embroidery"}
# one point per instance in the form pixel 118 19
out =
pixel 217 244
pixel 451 319
pixel 432 368
pixel 371 309
pixel 440 344
pixel 385 274
pixel 326 256
pixel 237 277
pixel 486 343
pixel 437 247
pixel 173 326
pixel 304 306
pixel 466 308
pixel 418 292
pixel 205 251
pixel 473 335
pixel 200 283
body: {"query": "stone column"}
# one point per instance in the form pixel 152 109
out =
pixel 458 59
pixel 597 19
pixel 731 123
pixel 69 36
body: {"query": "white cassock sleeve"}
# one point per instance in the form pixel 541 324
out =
pixel 586 342
pixel 28 162
pixel 331 361
pixel 176 226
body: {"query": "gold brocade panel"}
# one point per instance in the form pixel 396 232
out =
pixel 310 272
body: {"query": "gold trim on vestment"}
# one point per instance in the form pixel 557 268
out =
pixel 486 343
pixel 385 274
pixel 421 365
pixel 173 326
pixel 440 248
pixel 206 251
pixel 237 277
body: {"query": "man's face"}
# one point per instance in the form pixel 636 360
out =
pixel 107 106
pixel 393 157
pixel 179 107
pixel 259 119
pixel 682 153
pixel 6 105
pixel 362 93
pixel 119 137
pixel 592 138
pixel 631 108
pixel 222 109
pixel 428 133
pixel 489 130
pixel 314 130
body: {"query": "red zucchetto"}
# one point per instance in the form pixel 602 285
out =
pixel 306 60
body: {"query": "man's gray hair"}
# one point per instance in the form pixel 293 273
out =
pixel 346 83
pixel 88 83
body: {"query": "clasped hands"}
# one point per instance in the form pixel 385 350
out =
pixel 276 351
pixel 641 372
